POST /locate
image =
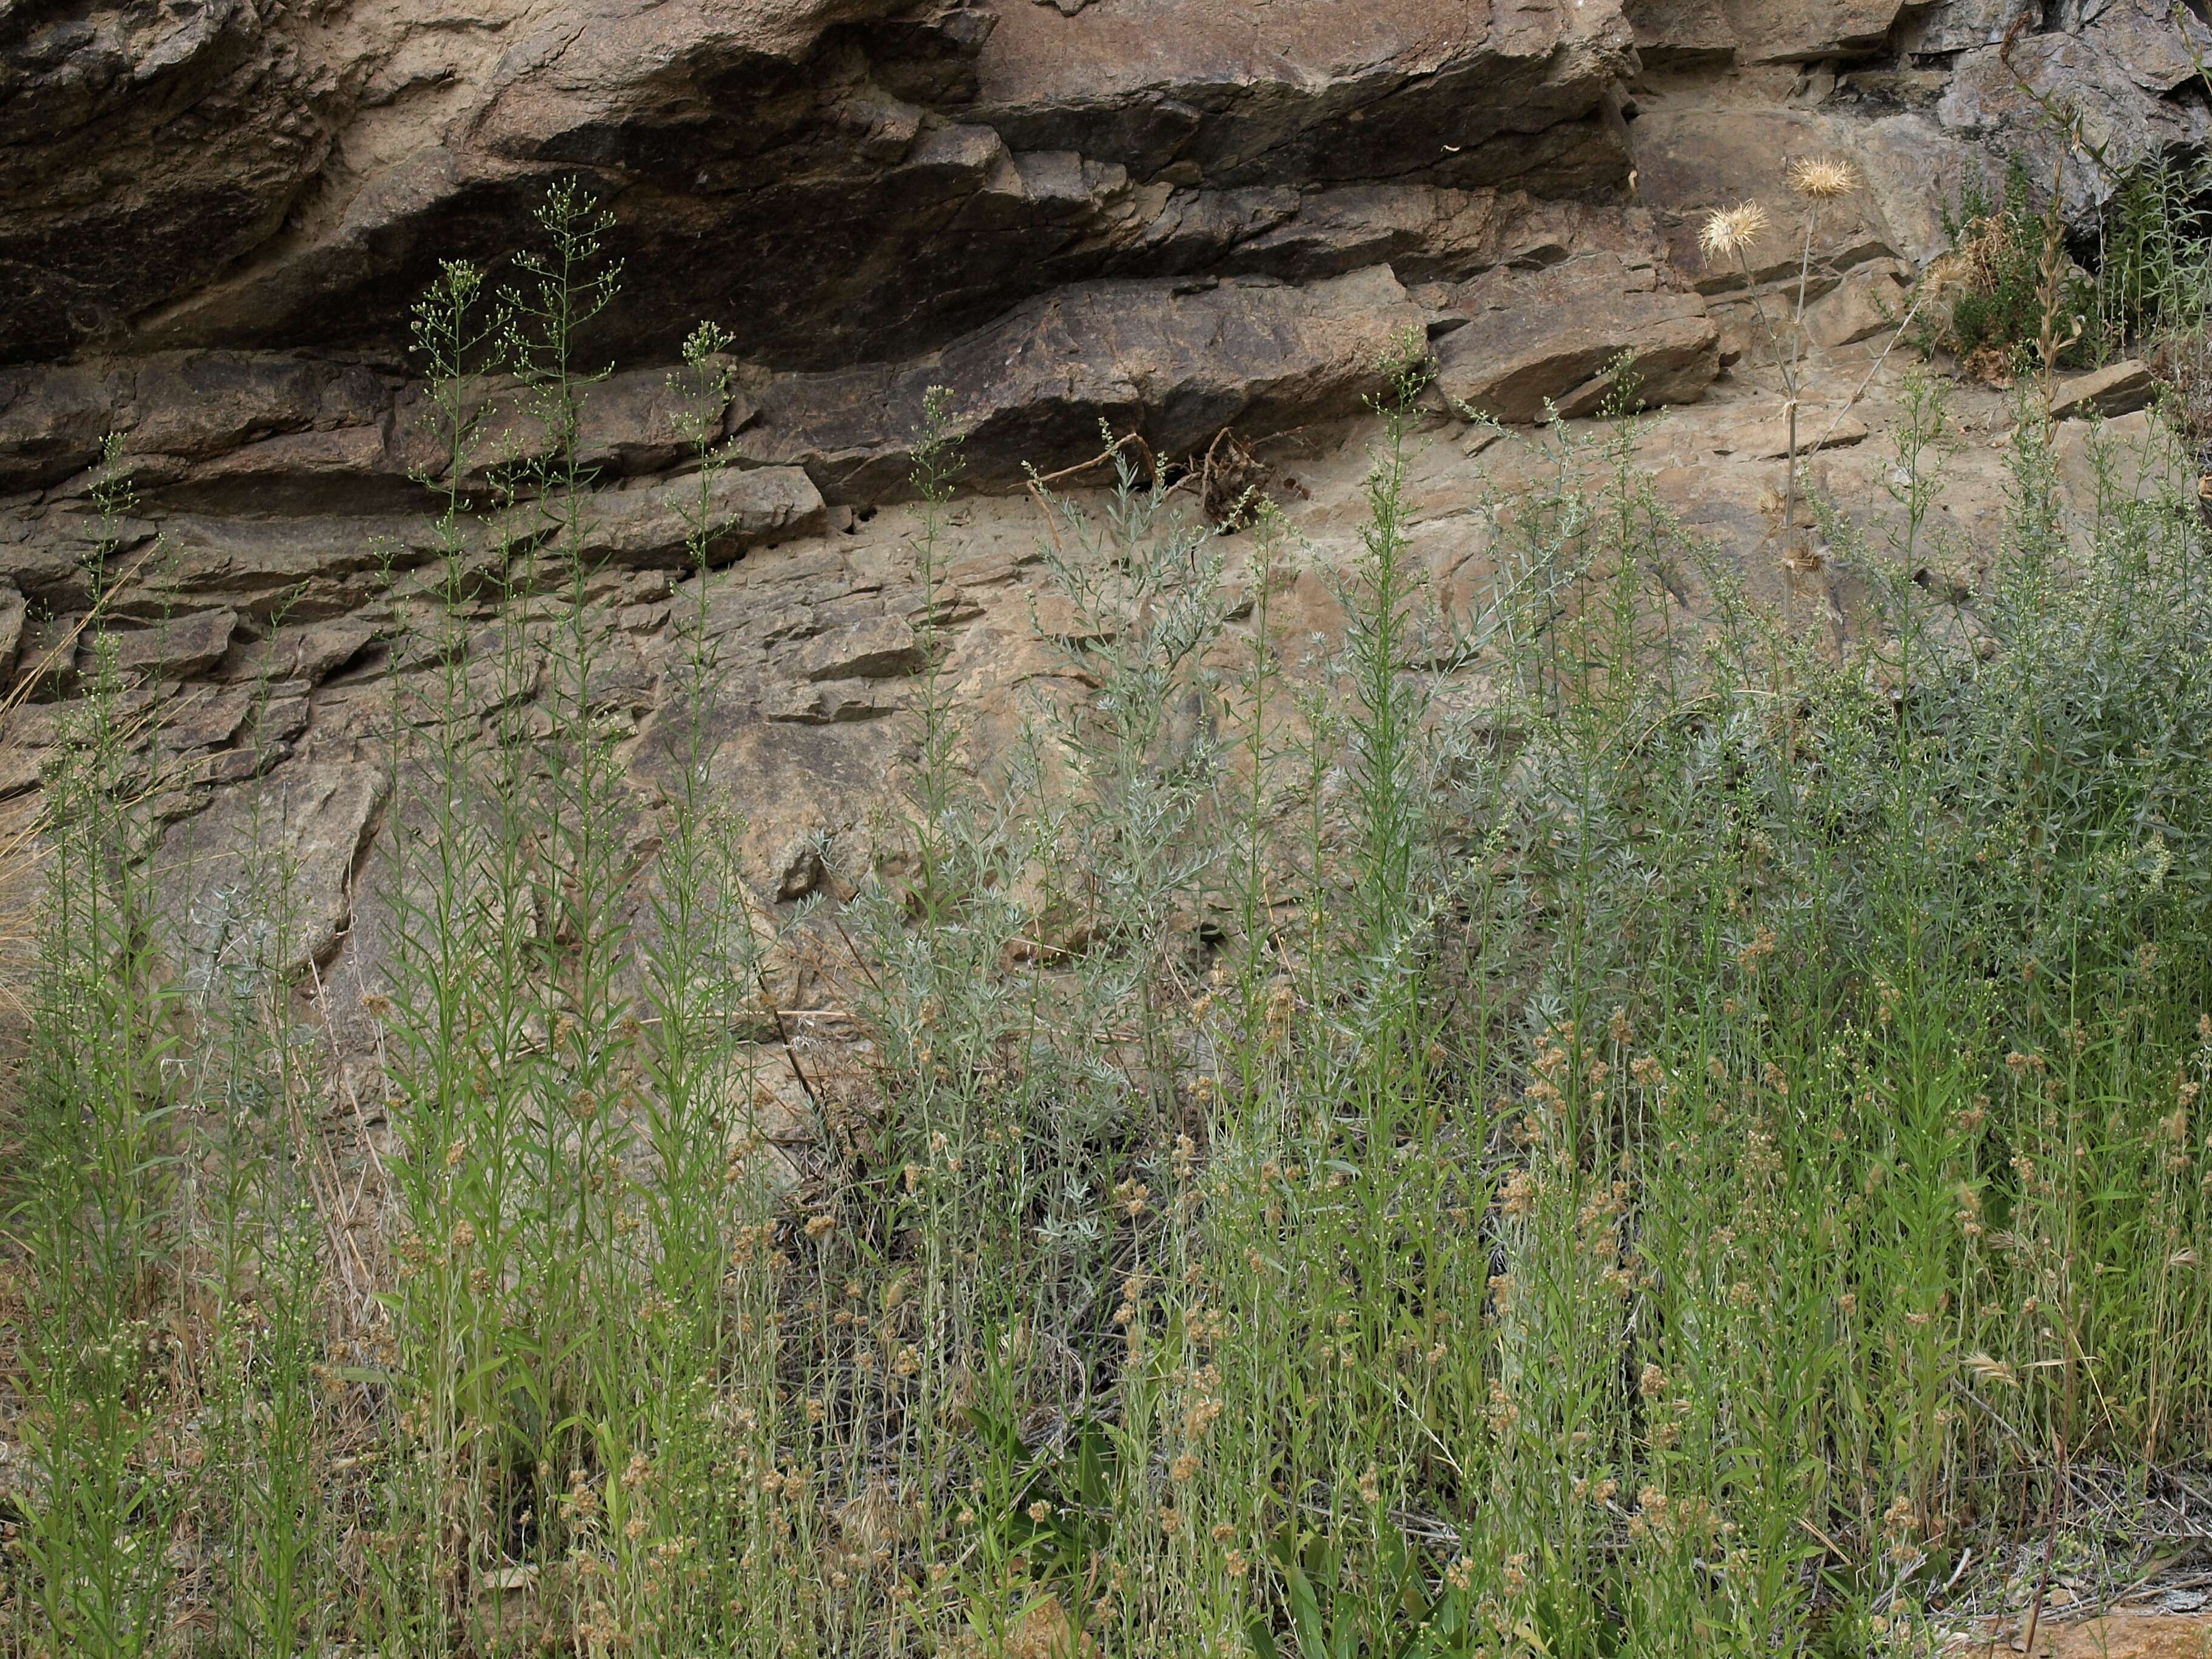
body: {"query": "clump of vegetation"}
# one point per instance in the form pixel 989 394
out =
pixel 1700 1147
pixel 2154 250
pixel 2021 289
pixel 2155 285
pixel 2009 277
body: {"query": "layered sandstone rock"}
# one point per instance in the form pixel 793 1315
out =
pixel 835 179
pixel 1183 219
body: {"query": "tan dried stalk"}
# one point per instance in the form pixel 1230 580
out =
pixel 1729 233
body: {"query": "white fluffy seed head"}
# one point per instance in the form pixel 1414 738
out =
pixel 1729 231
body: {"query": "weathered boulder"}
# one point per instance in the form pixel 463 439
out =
pixel 1819 427
pixel 827 701
pixel 2002 101
pixel 1174 362
pixel 1693 159
pixel 236 424
pixel 654 524
pixel 1915 174
pixel 51 422
pixel 264 877
pixel 1806 31
pixel 878 647
pixel 183 645
pixel 204 717
pixel 2148 39
pixel 306 654
pixel 2119 388
pixel 306 569
pixel 1870 300
pixel 14 611
pixel 1681 34
pixel 1310 90
pixel 1674 33
pixel 1962 25
pixel 143 148
pixel 1426 233
pixel 1547 338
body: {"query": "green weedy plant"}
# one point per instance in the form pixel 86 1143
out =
pixel 170 1194
pixel 1388 800
pixel 1135 759
pixel 949 1189
pixel 2153 255
pixel 510 1022
pixel 268 1424
pixel 1334 1614
pixel 1320 1116
pixel 98 1212
pixel 254 1258
pixel 449 883
pixel 570 798
pixel 96 1082
pixel 1683 1143
pixel 708 1179
pixel 1046 1518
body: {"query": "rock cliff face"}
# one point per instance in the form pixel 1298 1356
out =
pixel 843 180
pixel 1179 217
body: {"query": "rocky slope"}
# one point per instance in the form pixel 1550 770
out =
pixel 1176 216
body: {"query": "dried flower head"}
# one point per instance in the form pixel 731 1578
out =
pixel 1987 1369
pixel 1729 231
pixel 1822 178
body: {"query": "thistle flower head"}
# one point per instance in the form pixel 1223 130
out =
pixel 1822 178
pixel 1729 231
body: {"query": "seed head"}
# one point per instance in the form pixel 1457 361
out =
pixel 1729 231
pixel 1989 1369
pixel 1823 178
